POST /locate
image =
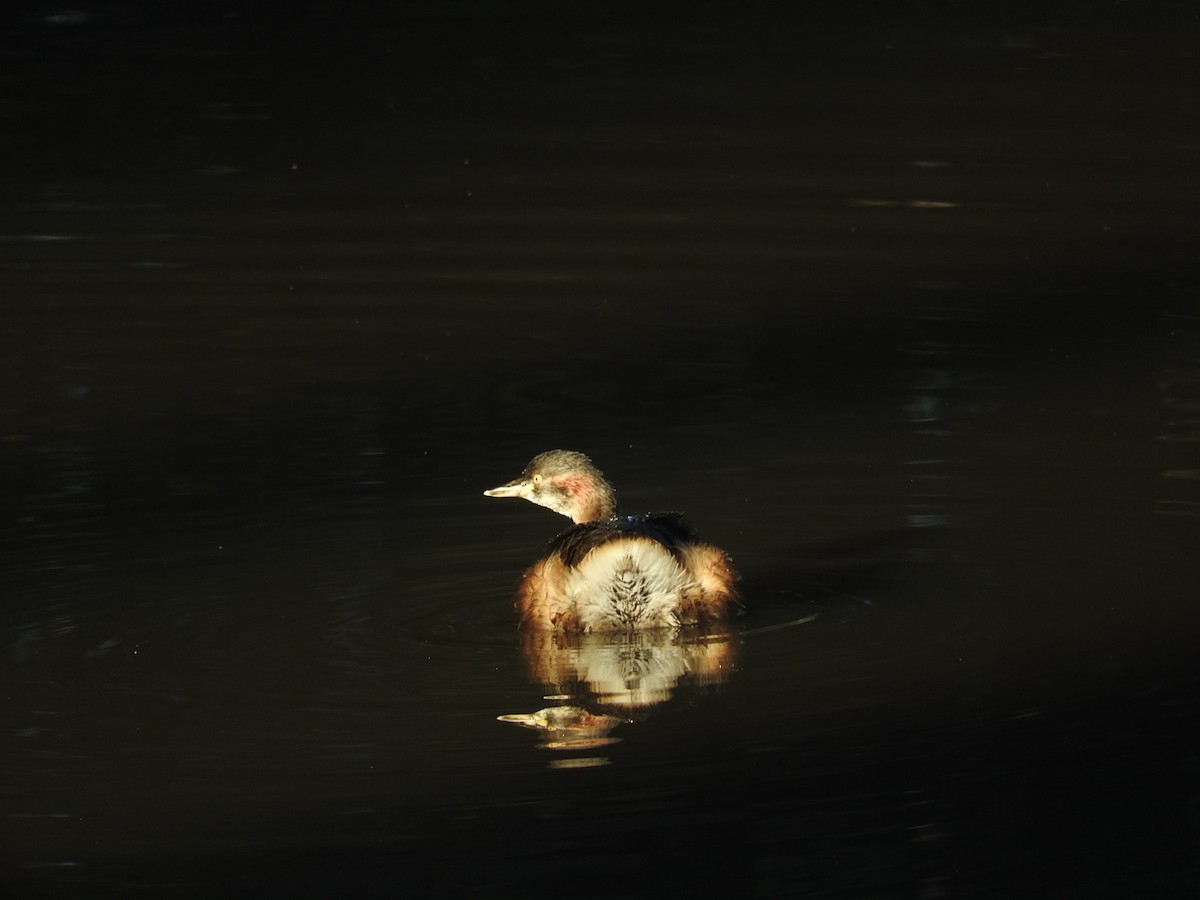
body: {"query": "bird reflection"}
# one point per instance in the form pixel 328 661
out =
pixel 607 679
pixel 567 727
pixel 633 670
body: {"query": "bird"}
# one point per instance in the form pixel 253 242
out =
pixel 609 572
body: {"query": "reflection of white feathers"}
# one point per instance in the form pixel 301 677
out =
pixel 628 583
pixel 635 673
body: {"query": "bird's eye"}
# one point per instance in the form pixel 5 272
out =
pixel 537 479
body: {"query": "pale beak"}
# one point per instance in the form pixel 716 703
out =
pixel 518 488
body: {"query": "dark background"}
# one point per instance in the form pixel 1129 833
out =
pixel 897 301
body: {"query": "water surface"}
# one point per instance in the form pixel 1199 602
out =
pixel 902 314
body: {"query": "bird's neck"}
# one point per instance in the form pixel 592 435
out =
pixel 592 500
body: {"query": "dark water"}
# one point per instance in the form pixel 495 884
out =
pixel 901 308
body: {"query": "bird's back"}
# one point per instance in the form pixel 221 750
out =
pixel 627 572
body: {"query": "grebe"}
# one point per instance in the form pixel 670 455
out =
pixel 610 572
